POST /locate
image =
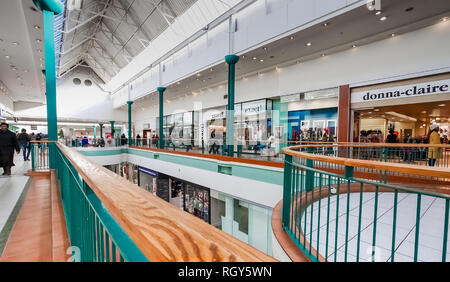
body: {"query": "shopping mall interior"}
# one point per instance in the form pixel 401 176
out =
pixel 225 130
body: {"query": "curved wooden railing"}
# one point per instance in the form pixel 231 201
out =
pixel 344 158
pixel 159 230
pixel 319 218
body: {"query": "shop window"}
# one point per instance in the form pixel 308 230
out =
pixel 217 212
pixel 196 201
pixel 241 215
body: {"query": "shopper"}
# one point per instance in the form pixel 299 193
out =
pixel 101 142
pixel 84 141
pixel 434 139
pixel 24 143
pixel 8 143
pixel 123 139
pixel 391 138
pixel 138 140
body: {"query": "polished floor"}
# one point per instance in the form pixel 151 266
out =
pixel 12 187
pixel 39 232
pixel 431 228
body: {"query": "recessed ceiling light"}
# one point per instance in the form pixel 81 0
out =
pixel 441 105
pixel 37 27
pixel 265 48
pixel 291 38
pixel 8 56
pixel 15 43
pixel 444 19
pixel 25 70
pixel 261 60
pixel 19 78
pixel 39 50
pixel 376 110
pixel 323 55
pixel 393 34
pixel 383 18
pixel 354 46
pixel 326 24
pixel 254 58
pixel 378 13
pixel 38 40
pixel 308 44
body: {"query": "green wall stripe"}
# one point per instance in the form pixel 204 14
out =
pixel 248 172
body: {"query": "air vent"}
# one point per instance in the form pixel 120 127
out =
pixel 76 81
pixel 87 82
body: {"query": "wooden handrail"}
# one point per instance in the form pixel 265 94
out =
pixel 365 145
pixel 160 230
pixel 42 141
pixel 384 166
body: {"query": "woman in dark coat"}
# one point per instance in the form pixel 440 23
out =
pixel 8 142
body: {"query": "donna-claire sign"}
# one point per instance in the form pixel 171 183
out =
pixel 412 90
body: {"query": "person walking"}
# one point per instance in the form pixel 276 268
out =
pixel 138 140
pixel 434 139
pixel 24 143
pixel 8 143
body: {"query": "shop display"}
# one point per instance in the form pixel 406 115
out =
pixel 313 125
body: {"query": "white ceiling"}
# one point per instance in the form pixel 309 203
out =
pixel 105 35
pixel 21 72
pixel 357 27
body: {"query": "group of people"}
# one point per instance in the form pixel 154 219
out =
pixel 10 142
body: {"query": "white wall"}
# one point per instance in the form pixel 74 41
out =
pixel 6 103
pixel 415 52
pixel 260 23
pixel 76 102
pixel 258 192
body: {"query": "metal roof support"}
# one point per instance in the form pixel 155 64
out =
pixel 236 8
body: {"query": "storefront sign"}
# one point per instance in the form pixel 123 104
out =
pixel 254 107
pixel 322 94
pixel 412 90
pixel 147 171
pixel 290 98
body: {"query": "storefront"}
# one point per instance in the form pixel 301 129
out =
pixel 181 129
pixel 148 179
pixel 129 171
pixel 312 116
pixel 252 126
pixel 192 198
pixel 404 108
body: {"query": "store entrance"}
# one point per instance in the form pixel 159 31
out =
pixel 410 123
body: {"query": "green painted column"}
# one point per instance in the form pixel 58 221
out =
pixel 161 116
pixel 50 80
pixel 130 141
pixel 95 133
pixel 112 129
pixel 231 61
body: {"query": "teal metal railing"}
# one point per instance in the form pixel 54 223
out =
pixel 94 234
pixel 337 215
pixel 111 220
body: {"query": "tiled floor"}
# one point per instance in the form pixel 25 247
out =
pixel 11 187
pixel 31 236
pixel 39 232
pixel 431 228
